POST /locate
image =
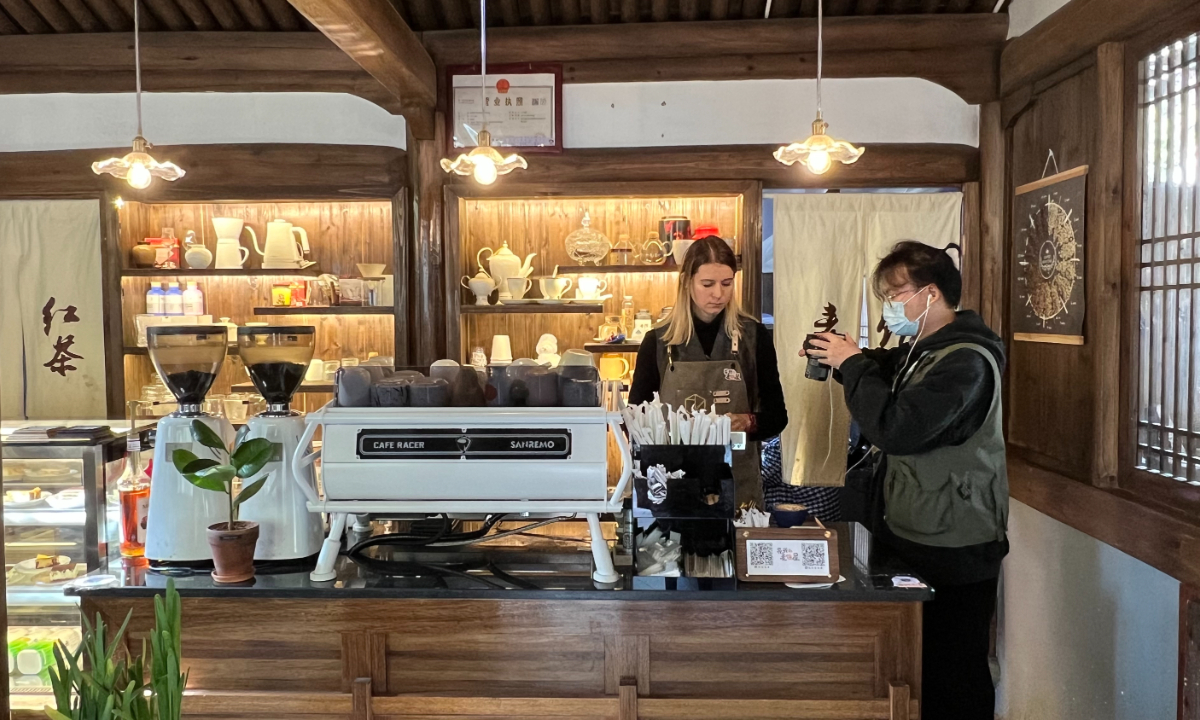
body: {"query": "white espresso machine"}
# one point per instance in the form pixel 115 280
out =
pixel 277 358
pixel 465 462
pixel 187 358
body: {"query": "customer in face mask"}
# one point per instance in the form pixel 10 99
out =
pixel 931 408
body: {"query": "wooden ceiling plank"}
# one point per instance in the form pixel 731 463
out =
pixel 169 14
pixel 56 15
pixel 930 7
pixel 146 18
pixel 898 7
pixel 539 10
pixel 25 16
pixel 718 10
pixel 227 15
pixel 254 13
pixel 7 26
pixel 630 13
pixel 510 13
pixel 753 9
pixel 283 15
pixel 808 8
pixel 374 35
pixel 689 10
pixel 82 15
pixel 454 14
pixel 473 9
pixel 958 6
pixel 571 14
pixel 867 7
pixel 598 11
pixel 199 14
pixel 784 8
pixel 112 17
pixel 423 15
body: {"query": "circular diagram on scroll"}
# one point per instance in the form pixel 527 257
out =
pixel 1050 260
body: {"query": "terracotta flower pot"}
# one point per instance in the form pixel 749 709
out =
pixel 233 551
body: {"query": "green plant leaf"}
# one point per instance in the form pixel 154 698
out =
pixel 205 435
pixel 241 435
pixel 54 714
pixel 183 458
pixel 251 456
pixel 196 466
pixel 206 483
pixel 217 478
pixel 249 491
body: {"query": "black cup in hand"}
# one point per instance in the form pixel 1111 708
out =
pixel 815 370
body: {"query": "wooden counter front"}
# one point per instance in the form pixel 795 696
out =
pixel 321 658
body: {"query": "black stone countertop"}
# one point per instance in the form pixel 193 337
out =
pixel 521 574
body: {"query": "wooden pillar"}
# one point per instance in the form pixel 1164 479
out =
pixel 401 277
pixel 993 210
pixel 427 304
pixel 110 292
pixel 1103 267
pixel 972 228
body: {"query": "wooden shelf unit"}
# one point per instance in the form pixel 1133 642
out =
pixel 533 309
pixel 212 272
pixel 631 348
pixel 326 310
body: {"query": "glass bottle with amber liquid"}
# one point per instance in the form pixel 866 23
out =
pixel 133 488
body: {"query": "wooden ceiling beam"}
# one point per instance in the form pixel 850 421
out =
pixel 25 16
pixel 7 26
pixel 539 11
pixel 83 15
pixel 718 10
pixel 112 17
pixel 374 35
pixel 571 13
pixel 457 17
pixel 184 62
pixel 170 15
pixel 283 14
pixel 227 15
pixel 59 19
pixel 254 13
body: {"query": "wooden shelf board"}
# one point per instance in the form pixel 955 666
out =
pixel 330 310
pixel 668 267
pixel 613 347
pixel 531 309
pixel 210 272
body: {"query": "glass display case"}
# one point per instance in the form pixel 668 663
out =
pixel 60 521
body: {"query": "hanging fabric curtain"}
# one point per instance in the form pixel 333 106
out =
pixel 51 311
pixel 825 247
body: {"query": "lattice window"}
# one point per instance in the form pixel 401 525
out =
pixel 1168 361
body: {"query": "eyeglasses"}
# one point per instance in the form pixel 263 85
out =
pixel 892 296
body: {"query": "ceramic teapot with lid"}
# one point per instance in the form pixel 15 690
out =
pixel 481 286
pixel 503 264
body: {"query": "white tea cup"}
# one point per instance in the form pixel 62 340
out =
pixel 518 286
pixel 554 287
pixel 590 288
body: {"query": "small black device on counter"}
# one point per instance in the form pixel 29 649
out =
pixel 814 370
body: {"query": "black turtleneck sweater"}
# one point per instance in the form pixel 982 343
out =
pixel 772 413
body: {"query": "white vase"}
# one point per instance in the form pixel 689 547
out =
pixel 198 257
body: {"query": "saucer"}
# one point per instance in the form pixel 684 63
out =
pixel 518 301
pixel 551 301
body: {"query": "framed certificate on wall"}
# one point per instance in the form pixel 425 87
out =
pixel 522 105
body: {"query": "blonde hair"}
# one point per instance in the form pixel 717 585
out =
pixel 677 329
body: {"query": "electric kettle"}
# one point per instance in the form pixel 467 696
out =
pixel 283 251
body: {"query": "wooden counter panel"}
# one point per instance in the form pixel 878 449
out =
pixel 261 658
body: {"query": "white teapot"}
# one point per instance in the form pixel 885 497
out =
pixel 503 265
pixel 481 285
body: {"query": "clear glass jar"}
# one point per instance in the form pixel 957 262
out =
pixel 611 330
pixel 642 324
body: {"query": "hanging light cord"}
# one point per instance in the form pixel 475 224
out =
pixel 137 64
pixel 820 52
pixel 483 58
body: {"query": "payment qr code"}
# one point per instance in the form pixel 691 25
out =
pixel 760 555
pixel 813 556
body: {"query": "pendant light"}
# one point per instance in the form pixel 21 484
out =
pixel 819 152
pixel 484 162
pixel 138 168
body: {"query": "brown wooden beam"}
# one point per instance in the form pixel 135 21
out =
pixel 181 62
pixel 960 52
pixel 897 164
pixel 1075 30
pixel 25 16
pixel 244 171
pixel 59 18
pixel 374 35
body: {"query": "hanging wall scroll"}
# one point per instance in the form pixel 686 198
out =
pixel 523 104
pixel 1048 258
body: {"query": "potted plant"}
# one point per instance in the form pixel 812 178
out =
pixel 92 683
pixel 232 542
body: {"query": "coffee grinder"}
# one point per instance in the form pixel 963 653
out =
pixel 187 358
pixel 277 359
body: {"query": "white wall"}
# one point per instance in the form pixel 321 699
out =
pixel 1024 14
pixel 1087 632
pixel 602 115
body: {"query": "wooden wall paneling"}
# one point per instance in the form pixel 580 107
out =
pixel 971 266
pixel 426 261
pixel 1105 259
pixel 1189 653
pixel 1051 413
pixel 364 656
pixel 261 171
pixel 627 658
pixel 110 293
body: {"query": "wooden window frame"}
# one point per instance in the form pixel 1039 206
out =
pixel 1165 493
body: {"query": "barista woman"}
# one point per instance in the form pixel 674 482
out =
pixel 709 350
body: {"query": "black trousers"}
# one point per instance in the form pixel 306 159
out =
pixel 956 681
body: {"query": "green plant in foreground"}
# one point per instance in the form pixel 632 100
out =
pixel 245 461
pixel 91 683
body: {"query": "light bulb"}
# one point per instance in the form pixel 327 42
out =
pixel 139 176
pixel 818 162
pixel 485 171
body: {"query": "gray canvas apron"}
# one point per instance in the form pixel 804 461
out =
pixel 691 377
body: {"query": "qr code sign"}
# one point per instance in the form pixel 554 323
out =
pixel 787 557
pixel 759 554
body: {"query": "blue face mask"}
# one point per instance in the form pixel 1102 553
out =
pixel 897 321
